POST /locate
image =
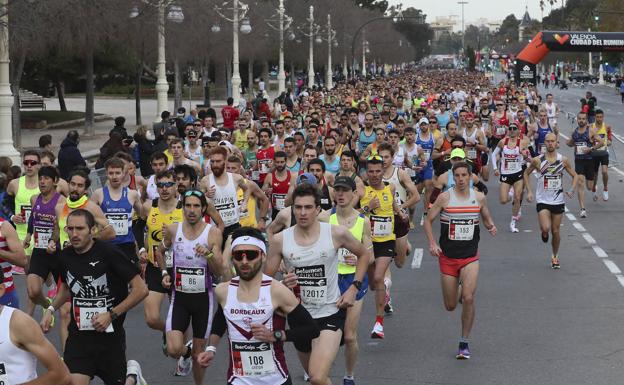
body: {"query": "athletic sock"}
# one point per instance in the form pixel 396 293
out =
pixel 188 353
pixel 349 377
pixel 380 319
pixel 463 340
pixel 134 377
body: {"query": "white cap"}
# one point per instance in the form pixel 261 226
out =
pixel 423 120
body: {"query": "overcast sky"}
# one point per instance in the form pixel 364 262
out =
pixel 475 9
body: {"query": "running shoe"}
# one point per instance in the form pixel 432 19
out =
pixel 512 226
pixel 411 224
pixel 605 195
pixel 583 213
pixel 348 381
pixel 545 237
pixel 422 219
pixel 388 309
pixel 463 353
pixel 18 270
pixel 554 262
pixel 378 331
pixel 306 378
pixel 595 197
pixel 134 369
pixel 519 216
pixel 185 364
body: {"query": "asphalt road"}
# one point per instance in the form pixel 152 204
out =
pixel 533 325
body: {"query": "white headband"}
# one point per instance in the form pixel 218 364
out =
pixel 249 241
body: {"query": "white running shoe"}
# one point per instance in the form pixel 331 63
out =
pixel 378 331
pixel 605 195
pixel 583 213
pixel 134 369
pixel 595 197
pixel 185 364
pixel 306 378
pixel 512 226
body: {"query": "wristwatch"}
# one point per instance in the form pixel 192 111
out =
pixel 113 315
pixel 278 335
pixel 357 284
pixel 366 209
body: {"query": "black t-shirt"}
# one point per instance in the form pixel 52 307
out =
pixel 96 279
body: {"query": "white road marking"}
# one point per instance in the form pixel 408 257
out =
pixel 620 279
pixel 599 252
pixel 417 258
pixel 571 217
pixel 578 226
pixel 617 170
pixel 611 266
pixel 619 137
pixel 528 231
pixel 589 238
pixel 564 136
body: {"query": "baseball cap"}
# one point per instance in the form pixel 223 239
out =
pixel 306 177
pixel 344 181
pixel 423 120
pixel 181 111
pixel 458 153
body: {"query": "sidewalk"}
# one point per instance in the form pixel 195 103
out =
pixel 113 107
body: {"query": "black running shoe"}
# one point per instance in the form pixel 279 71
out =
pixel 544 237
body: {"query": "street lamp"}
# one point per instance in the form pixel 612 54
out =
pixel 311 58
pixel 245 29
pixel 365 50
pixel 462 3
pixel 162 86
pixel 7 147
pixel 284 23
pixel 329 84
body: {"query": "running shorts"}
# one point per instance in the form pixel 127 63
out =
pixel 600 160
pixel 344 283
pixel 554 209
pixel 511 179
pixel 153 278
pixel 584 167
pixel 384 249
pixel 190 309
pixel 42 264
pixel 97 354
pixel 425 174
pixel 332 322
pixel 453 266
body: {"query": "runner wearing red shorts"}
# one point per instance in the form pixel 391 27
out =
pixel 460 209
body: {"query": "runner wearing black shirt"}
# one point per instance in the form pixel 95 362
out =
pixel 95 276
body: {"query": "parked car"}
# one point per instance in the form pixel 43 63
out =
pixel 582 76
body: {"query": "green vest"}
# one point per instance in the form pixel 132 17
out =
pixel 358 232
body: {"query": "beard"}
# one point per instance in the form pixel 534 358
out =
pixel 330 152
pixel 249 275
pixel 74 196
pixel 280 168
pixel 217 171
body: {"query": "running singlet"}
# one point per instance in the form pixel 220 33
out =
pixel 247 217
pixel 316 267
pixel 499 125
pixel 550 181
pixel 225 199
pixel 152 190
pixel 155 222
pixel 364 140
pixel 240 140
pixel 326 202
pixel 331 167
pixel 279 190
pixel 551 111
pixel 400 194
pixel 119 215
pixel 264 158
pixel 399 157
pixel 540 137
pixel 62 219
pixel 471 152
pixel 17 366
pixel 381 218
pixel 44 218
pixel 604 136
pixel 413 156
pixel 22 206
pixel 190 270
pixel 192 154
pixel 5 265
pixel 581 144
pixel 253 362
pixel 357 230
pixel 459 221
pixel 427 146
pixel 511 158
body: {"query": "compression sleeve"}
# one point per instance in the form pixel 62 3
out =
pixel 302 326
pixel 434 195
pixel 494 157
pixel 218 323
pixel 9 203
pixel 30 225
pixel 481 187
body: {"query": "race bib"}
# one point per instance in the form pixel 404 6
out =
pixel 4 376
pixel 252 358
pixel 119 223
pixel 461 229
pixel 382 226
pixel 552 182
pixel 342 253
pixel 190 279
pixel 411 172
pixel 427 154
pixel 242 211
pixel 255 175
pixel 279 201
pixel 264 166
pixel 501 130
pixel 86 309
pixel 580 147
pixel 511 165
pixel 228 213
pixel 26 210
pixel 324 201
pixel 313 284
pixel 542 149
pixel 42 236
pixel 471 153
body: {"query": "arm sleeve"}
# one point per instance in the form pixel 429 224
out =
pixel 219 325
pixel 9 204
pixel 434 195
pixel 30 225
pixel 494 157
pixel 482 187
pixel 302 326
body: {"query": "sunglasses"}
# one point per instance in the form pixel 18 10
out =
pixel 196 193
pixel 30 163
pixel 251 255
pixel 164 184
pixel 513 128
pixel 197 125
pixel 376 157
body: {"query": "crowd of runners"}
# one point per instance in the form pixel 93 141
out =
pixel 274 227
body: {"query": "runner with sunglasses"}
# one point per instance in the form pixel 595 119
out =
pixel 309 251
pixel 158 162
pixel 513 150
pixel 196 255
pixel 253 308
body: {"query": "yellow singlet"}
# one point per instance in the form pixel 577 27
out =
pixel 155 221
pixel 247 218
pixel 382 218
pixel 358 232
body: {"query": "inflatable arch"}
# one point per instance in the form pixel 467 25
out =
pixel 562 41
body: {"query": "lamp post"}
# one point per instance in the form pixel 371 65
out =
pixel 281 75
pixel 7 147
pixel 162 86
pixel 329 82
pixel 311 56
pixel 364 47
pixel 462 3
